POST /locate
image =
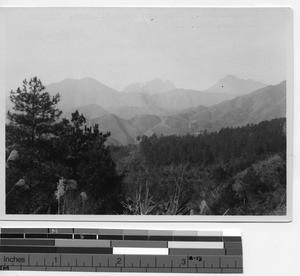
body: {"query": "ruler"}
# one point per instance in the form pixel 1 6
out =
pixel 118 250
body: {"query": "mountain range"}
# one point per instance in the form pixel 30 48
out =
pixel 127 123
pixel 159 107
pixel 85 91
pixel 263 104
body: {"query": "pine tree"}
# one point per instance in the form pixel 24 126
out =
pixel 82 151
pixel 29 134
pixel 35 112
pixel 48 150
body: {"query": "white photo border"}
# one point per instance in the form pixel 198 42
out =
pixel 159 218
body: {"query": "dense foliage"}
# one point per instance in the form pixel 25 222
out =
pixel 56 166
pixel 247 143
pixel 235 171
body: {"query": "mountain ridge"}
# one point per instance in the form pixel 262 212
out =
pixel 234 85
pixel 81 92
pixel 156 92
pixel 263 104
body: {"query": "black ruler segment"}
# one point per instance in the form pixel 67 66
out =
pixel 235 251
pixel 11 236
pixel 48 236
pixel 31 242
pixel 186 251
pixel 118 250
pixel 60 236
pixel 36 236
pixel 135 237
pixel 12 230
pixel 29 249
pixel 110 237
pixel 85 250
pixel 24 230
pixel 161 238
pixel 232 239
pixel 185 238
pixel 52 249
pixel 85 236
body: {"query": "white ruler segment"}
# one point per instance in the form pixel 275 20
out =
pixel 140 251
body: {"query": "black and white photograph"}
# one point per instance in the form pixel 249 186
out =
pixel 147 111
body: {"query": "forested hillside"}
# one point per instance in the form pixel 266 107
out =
pixel 248 143
pixel 235 171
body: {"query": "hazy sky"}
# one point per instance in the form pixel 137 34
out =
pixel 192 47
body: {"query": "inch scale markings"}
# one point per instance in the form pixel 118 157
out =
pixel 71 249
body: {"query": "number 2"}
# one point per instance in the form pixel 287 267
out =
pixel 118 261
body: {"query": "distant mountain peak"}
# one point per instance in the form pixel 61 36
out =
pixel 153 86
pixel 84 82
pixel 88 79
pixel 231 77
pixel 234 85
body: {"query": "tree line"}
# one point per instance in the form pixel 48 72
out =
pixel 235 171
pixel 239 146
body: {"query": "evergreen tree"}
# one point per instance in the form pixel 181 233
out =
pixel 35 112
pixel 29 134
pixel 86 159
pixel 48 152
